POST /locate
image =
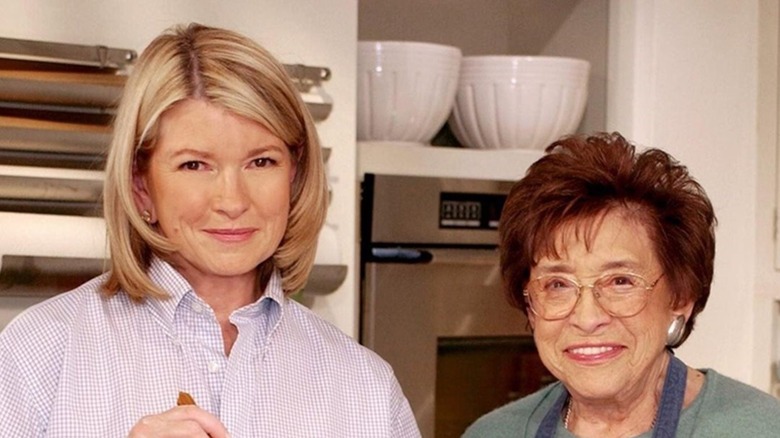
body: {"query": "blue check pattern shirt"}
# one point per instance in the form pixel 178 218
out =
pixel 81 365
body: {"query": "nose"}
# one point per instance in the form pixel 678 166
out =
pixel 231 194
pixel 588 315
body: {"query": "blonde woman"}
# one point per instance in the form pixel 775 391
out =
pixel 214 197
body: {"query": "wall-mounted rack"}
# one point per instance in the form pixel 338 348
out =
pixel 57 101
pixel 64 53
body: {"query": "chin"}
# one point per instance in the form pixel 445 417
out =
pixel 236 268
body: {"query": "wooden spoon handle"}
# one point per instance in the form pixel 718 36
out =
pixel 184 399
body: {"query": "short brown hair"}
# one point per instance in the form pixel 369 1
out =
pixel 581 178
pixel 232 71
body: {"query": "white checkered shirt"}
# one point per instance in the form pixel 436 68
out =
pixel 79 365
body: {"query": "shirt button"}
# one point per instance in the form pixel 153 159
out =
pixel 197 308
pixel 213 366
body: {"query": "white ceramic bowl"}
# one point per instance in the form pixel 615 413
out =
pixel 405 89
pixel 525 102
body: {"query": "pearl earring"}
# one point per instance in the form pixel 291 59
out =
pixel 146 216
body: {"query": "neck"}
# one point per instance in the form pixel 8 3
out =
pixel 224 295
pixel 630 429
pixel 632 414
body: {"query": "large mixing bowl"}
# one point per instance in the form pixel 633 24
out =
pixel 525 102
pixel 405 89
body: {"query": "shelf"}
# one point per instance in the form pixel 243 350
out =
pixel 415 159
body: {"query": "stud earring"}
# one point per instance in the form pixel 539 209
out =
pixel 675 332
pixel 146 216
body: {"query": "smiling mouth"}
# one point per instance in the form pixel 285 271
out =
pixel 232 235
pixel 591 351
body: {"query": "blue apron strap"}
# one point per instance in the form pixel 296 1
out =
pixel 672 397
pixel 553 416
pixel 667 416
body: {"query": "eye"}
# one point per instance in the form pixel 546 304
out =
pixel 192 165
pixel 263 162
pixel 556 285
pixel 621 283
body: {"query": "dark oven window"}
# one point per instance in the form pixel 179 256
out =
pixel 475 375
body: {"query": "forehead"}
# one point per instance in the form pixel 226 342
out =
pixel 612 239
pixel 194 123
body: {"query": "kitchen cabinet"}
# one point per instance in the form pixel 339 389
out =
pixel 562 28
pixel 570 28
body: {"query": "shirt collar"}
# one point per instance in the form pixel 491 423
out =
pixel 171 281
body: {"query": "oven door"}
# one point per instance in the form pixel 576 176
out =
pixel 444 319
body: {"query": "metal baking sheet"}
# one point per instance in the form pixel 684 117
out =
pixel 61 88
pixel 50 190
pixel 21 134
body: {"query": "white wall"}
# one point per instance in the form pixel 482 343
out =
pixel 480 30
pixel 296 31
pixel 684 78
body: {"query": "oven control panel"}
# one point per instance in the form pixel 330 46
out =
pixel 479 211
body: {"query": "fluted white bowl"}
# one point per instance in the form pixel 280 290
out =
pixel 524 102
pixel 405 89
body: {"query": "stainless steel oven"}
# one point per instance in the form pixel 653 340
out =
pixel 432 304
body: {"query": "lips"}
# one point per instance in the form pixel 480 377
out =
pixel 594 353
pixel 232 234
pixel 591 351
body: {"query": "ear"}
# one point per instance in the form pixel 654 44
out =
pixel 293 168
pixel 143 201
pixel 531 319
pixel 685 310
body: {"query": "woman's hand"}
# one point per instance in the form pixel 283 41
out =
pixel 181 421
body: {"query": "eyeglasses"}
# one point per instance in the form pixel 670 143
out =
pixel 554 296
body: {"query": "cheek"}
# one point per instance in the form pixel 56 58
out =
pixel 176 205
pixel 546 335
pixel 650 331
pixel 273 201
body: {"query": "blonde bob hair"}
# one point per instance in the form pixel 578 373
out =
pixel 232 71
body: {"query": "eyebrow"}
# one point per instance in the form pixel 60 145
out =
pixel 205 154
pixel 568 269
pixel 188 151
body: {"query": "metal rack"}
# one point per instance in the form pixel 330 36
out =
pixel 57 100
pixel 56 104
pixel 63 53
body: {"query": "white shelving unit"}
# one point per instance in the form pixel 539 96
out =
pixel 412 159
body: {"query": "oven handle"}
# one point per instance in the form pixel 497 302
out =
pixel 399 255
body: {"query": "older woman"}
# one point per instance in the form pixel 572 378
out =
pixel 214 197
pixel 609 253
